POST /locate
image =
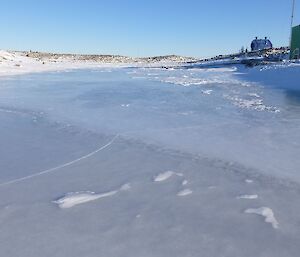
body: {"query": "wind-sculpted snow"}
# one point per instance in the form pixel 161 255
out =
pixel 249 197
pixel 73 199
pixel 76 198
pixel 185 192
pixel 166 175
pixel 267 213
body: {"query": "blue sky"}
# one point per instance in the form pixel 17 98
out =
pixel 143 27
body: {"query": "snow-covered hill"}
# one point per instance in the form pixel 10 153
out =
pixel 27 62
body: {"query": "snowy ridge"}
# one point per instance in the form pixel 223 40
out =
pixel 185 192
pixel 13 63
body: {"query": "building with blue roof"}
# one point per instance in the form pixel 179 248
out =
pixel 261 44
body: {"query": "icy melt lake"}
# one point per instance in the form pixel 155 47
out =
pixel 149 162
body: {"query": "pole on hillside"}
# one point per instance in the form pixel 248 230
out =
pixel 292 21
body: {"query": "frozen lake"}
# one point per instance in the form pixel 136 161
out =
pixel 148 162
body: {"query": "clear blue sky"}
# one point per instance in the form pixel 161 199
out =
pixel 143 27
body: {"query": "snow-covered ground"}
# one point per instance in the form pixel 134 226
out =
pixel 14 63
pixel 106 161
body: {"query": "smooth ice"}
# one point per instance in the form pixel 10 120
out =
pixel 149 162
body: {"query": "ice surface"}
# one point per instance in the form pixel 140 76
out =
pixel 57 168
pixel 162 138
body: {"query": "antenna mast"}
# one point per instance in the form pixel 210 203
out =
pixel 292 21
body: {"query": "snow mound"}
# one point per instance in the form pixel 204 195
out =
pixel 265 212
pixel 166 175
pixel 4 55
pixel 125 187
pixel 207 92
pixel 185 192
pixel 75 198
pixel 163 176
pixel 249 197
pixel 184 182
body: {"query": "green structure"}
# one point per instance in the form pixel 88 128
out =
pixel 295 43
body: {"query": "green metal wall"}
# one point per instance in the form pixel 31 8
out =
pixel 295 44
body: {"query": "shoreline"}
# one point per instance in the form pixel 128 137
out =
pixel 18 63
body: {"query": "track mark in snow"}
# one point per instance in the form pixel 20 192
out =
pixel 60 166
pixel 76 198
pixel 166 175
pixel 249 197
pixel 185 192
pixel 265 212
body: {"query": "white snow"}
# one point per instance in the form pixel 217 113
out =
pixel 185 192
pixel 163 176
pixel 267 213
pixel 249 197
pixel 254 103
pixel 76 198
pixel 125 187
pixel 166 175
pixel 207 92
pixel 184 182
pixel 14 63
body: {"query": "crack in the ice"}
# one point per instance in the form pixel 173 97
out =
pixel 60 166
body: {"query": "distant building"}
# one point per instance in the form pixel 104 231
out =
pixel 261 44
pixel 295 43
